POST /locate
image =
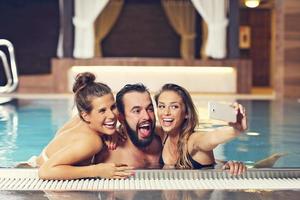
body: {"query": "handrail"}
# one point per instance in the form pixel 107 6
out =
pixel 7 73
pixel 11 73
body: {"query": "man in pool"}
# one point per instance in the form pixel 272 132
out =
pixel 137 118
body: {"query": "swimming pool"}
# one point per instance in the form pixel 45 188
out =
pixel 27 125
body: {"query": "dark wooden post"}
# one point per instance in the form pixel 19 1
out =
pixel 67 28
pixel 233 29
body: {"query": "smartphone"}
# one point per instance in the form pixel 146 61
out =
pixel 221 111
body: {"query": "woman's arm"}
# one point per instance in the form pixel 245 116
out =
pixel 207 141
pixel 60 165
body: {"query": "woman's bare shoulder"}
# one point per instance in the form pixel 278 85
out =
pixel 196 138
pixel 90 138
pixel 72 123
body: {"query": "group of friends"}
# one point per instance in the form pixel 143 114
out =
pixel 82 148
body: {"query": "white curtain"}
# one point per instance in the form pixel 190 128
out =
pixel 86 12
pixel 59 51
pixel 214 14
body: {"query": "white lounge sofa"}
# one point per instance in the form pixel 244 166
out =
pixel 195 79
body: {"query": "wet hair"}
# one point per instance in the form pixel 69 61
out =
pixel 138 87
pixel 85 89
pixel 187 127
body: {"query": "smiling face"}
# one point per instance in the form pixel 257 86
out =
pixel 103 117
pixel 139 117
pixel 171 111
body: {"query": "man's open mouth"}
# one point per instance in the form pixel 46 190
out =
pixel 144 129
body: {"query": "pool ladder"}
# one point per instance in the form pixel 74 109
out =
pixel 9 70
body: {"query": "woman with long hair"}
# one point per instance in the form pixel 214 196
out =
pixel 183 146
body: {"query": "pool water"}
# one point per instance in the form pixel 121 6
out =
pixel 273 128
pixel 27 125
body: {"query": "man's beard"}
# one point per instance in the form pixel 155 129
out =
pixel 134 137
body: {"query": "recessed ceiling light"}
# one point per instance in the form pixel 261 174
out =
pixel 252 3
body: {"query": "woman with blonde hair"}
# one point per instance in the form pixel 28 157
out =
pixel 183 147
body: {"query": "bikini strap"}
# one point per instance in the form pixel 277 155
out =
pixel 165 139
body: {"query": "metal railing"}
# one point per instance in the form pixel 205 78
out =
pixel 10 69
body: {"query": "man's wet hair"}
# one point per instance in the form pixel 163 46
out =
pixel 138 87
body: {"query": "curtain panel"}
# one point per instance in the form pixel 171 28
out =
pixel 181 16
pixel 86 12
pixel 214 14
pixel 104 23
pixel 59 51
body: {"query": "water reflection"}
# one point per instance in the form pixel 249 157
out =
pixel 273 128
pixel 153 195
pixel 8 133
pixel 276 127
pixel 27 125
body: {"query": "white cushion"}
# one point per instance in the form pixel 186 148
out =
pixel 195 79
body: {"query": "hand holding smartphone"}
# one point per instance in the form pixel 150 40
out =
pixel 222 111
